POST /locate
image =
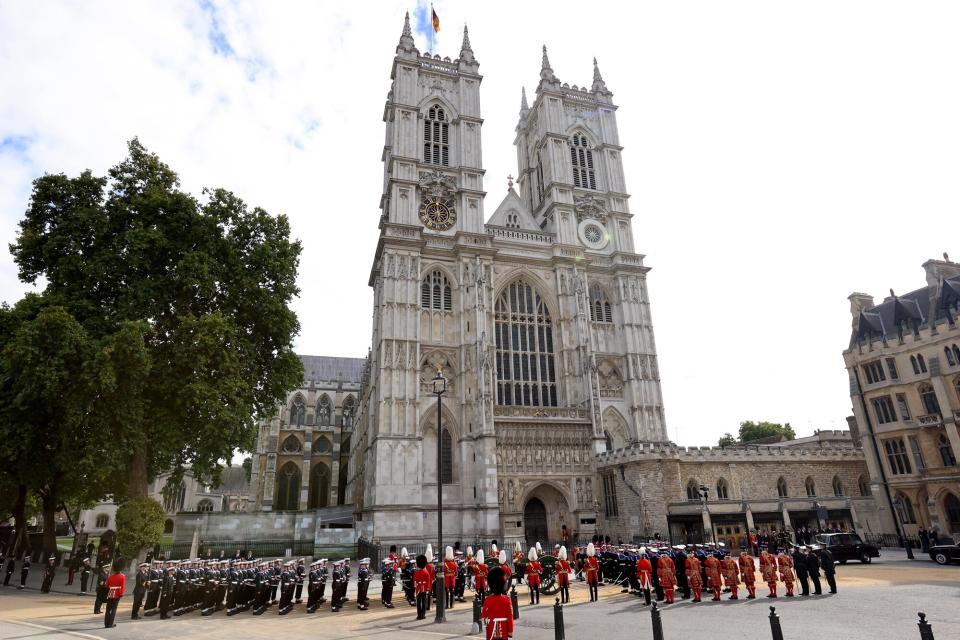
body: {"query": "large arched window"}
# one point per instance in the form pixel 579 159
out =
pixel 174 495
pixel 782 487
pixel 863 485
pixel 948 353
pixel 581 158
pixel 435 292
pixel 946 452
pixel 324 411
pixel 929 398
pixel 918 363
pixel 291 444
pixel 904 509
pixel 322 445
pixel 288 488
pixel 205 506
pixel 837 486
pixel 524 335
pixel 298 412
pixel 810 486
pixel 436 137
pixel 446 450
pixel 723 490
pixel 693 489
pixel 319 486
pixel 600 309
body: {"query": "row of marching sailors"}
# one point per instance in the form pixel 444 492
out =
pixel 179 587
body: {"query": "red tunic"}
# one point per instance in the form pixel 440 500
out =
pixel 432 571
pixel 506 571
pixel 449 574
pixel 713 571
pixel 592 568
pixel 731 572
pixel 644 571
pixel 694 576
pixel 768 567
pixel 563 573
pixel 667 572
pixel 497 612
pixel 422 581
pixel 481 575
pixel 533 573
pixel 115 584
pixel 747 569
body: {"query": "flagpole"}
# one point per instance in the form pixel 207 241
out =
pixel 433 31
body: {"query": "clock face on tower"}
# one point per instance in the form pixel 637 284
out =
pixel 437 214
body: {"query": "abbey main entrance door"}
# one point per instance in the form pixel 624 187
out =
pixel 535 521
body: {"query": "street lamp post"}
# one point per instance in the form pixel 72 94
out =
pixel 704 494
pixel 439 388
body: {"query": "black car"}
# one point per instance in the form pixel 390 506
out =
pixel 848 546
pixel 945 553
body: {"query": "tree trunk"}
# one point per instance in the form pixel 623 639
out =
pixel 49 502
pixel 20 520
pixel 137 478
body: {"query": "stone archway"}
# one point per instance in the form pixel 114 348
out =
pixel 545 510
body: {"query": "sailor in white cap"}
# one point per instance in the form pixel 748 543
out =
pixel 363 584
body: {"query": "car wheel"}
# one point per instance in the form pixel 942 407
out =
pixel 941 558
pixel 865 557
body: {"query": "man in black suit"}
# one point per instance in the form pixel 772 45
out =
pixel 829 571
pixel 800 568
pixel 813 569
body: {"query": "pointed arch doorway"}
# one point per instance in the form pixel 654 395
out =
pixel 535 521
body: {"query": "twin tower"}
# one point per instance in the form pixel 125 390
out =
pixel 537 316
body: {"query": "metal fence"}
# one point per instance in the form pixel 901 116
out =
pixel 891 540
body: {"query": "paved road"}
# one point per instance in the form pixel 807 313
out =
pixel 877 601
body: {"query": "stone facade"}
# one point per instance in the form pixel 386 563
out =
pixel 652 489
pixel 301 455
pixel 538 316
pixel 904 367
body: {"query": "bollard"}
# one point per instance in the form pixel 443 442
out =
pixel 477 621
pixel 657 624
pixel 558 633
pixel 513 601
pixel 926 631
pixel 775 624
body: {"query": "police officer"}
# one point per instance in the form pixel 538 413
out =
pixel 139 589
pixel 363 584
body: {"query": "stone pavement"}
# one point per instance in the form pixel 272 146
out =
pixel 877 601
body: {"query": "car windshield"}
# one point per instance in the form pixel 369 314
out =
pixel 825 538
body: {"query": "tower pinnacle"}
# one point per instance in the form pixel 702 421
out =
pixel 406 38
pixel 546 73
pixel 599 86
pixel 466 53
pixel 523 100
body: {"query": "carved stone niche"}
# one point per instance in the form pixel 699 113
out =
pixel 590 207
pixel 433 361
pixel 611 381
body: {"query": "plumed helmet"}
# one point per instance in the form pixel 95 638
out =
pixel 403 552
pixel 480 556
pixel 502 557
pixel 448 554
pixel 563 553
pixel 516 546
pixel 591 550
pixel 429 554
pixel 643 551
pixel 532 555
pixel 470 551
pixel 493 547
pixel 539 548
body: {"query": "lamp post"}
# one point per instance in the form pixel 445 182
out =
pixel 704 494
pixel 439 388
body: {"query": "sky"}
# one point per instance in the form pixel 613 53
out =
pixel 779 155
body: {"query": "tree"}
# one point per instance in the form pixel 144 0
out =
pixel 727 440
pixel 752 431
pixel 139 524
pixel 194 295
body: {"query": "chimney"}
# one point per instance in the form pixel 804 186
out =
pixel 859 302
pixel 938 269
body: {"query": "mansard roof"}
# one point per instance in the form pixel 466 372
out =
pixel 330 369
pixel 512 203
pixel 901 315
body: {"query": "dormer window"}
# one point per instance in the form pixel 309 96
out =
pixel 581 157
pixel 436 137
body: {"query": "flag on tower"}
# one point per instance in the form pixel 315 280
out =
pixel 435 19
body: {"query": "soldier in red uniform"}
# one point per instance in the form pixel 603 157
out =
pixel 502 559
pixel 768 569
pixel 592 568
pixel 786 571
pixel 748 574
pixel 714 572
pixel 423 584
pixel 497 611
pixel 518 561
pixel 667 572
pixel 449 577
pixel 731 575
pixel 432 570
pixel 562 569
pixel 533 576
pixel 694 578
pixel 480 575
pixel 644 574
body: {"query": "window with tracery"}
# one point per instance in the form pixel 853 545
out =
pixel 291 444
pixel 349 411
pixel 524 338
pixel 205 506
pixel 435 292
pixel 600 309
pixel 929 398
pixel 723 491
pixel 446 466
pixel 288 488
pixel 581 157
pixel 324 411
pixel 693 490
pixel 298 412
pixel 436 137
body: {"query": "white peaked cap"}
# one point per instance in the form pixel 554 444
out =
pixel 480 556
pixel 449 553
pixel 469 551
pixel 563 553
pixel 532 555
pixel 429 554
pixel 403 552
pixel 643 551
pixel 539 548
pixel 503 557
pixel 591 550
pixel 516 546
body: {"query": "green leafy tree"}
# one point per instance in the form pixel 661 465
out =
pixel 191 296
pixel 751 431
pixel 727 440
pixel 139 524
